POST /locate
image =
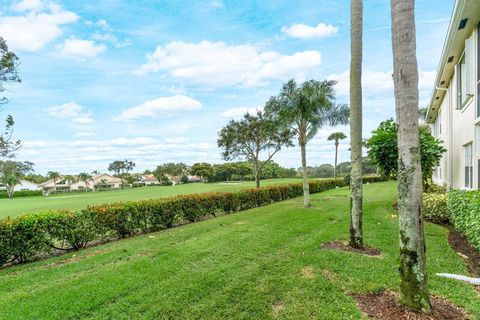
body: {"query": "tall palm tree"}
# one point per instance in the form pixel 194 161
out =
pixel 53 175
pixel 304 109
pixel 413 276
pixel 336 136
pixel 85 177
pixel 356 180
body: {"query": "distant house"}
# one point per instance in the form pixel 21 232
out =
pixel 60 184
pixel 149 180
pixel 195 179
pixel 24 185
pixel 102 181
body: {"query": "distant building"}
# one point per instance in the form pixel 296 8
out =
pixel 102 181
pixel 149 180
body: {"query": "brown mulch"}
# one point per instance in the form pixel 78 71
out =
pixel 343 246
pixel 384 306
pixel 469 254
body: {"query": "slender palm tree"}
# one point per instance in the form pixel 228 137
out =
pixel 304 109
pixel 85 177
pixel 413 276
pixel 336 136
pixel 356 180
pixel 53 175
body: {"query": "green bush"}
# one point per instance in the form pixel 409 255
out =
pixel 434 188
pixel 464 210
pixel 435 207
pixel 27 236
pixel 21 193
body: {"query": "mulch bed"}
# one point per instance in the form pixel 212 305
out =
pixel 384 306
pixel 343 246
pixel 465 250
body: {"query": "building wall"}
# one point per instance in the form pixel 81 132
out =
pixel 457 128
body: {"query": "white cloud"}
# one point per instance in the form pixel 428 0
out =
pixel 238 112
pixel 80 49
pixel 181 140
pixel 219 64
pixel 303 31
pixel 133 141
pixel 71 111
pixel 38 26
pixel 84 134
pixel 110 37
pixel 160 106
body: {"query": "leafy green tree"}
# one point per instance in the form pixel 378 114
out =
pixel 11 172
pixel 35 178
pixel 383 150
pixel 414 291
pixel 121 167
pixel 203 170
pixel 324 171
pixel 251 136
pixel 85 177
pixel 336 136
pixel 304 109
pixel 174 170
pixel 8 73
pixel 53 175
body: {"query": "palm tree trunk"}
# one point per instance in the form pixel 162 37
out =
pixel 336 157
pixel 306 187
pixel 256 174
pixel 413 276
pixel 356 181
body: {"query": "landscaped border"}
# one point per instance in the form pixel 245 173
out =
pixel 34 235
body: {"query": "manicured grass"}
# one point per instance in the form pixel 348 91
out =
pixel 80 200
pixel 257 264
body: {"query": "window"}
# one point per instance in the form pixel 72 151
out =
pixel 465 75
pixel 468 166
pixel 478 71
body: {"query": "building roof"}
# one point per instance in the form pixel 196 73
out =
pixel 465 17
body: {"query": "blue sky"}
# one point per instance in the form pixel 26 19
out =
pixel 154 81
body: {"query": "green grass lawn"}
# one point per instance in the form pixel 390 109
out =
pixel 257 264
pixel 77 201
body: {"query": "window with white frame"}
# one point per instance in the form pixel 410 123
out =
pixel 468 166
pixel 465 74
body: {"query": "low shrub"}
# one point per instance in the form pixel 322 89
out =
pixel 433 188
pixel 435 207
pixel 21 193
pixel 464 210
pixel 27 236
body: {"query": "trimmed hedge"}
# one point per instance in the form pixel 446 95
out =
pixel 435 207
pixel 22 193
pixel 28 236
pixel 464 210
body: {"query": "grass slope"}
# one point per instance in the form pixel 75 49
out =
pixel 258 264
pixel 77 201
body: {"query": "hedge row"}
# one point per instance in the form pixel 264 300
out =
pixel 464 210
pixel 33 235
pixel 21 193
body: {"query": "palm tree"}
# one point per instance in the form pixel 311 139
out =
pixel 85 177
pixel 53 175
pixel 336 136
pixel 356 180
pixel 413 277
pixel 304 109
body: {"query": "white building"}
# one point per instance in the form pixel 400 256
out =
pixel 24 185
pixel 454 109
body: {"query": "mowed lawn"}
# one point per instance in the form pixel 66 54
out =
pixel 80 200
pixel 257 264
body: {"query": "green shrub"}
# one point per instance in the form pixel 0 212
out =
pixel 433 188
pixel 464 210
pixel 21 193
pixel 435 207
pixel 24 237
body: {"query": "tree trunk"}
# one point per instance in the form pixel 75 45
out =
pixel 256 173
pixel 336 158
pixel 306 187
pixel 10 191
pixel 413 276
pixel 356 181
